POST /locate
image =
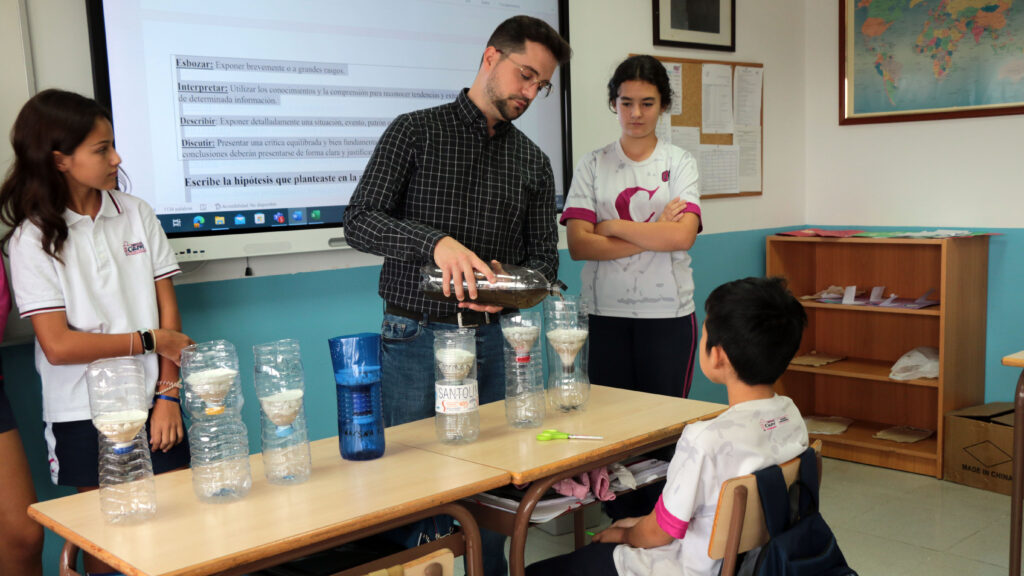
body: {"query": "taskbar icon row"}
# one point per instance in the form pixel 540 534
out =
pixel 233 220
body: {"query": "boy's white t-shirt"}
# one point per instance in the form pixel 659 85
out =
pixel 745 438
pixel 608 185
pixel 104 284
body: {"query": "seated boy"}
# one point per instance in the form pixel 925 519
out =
pixel 751 332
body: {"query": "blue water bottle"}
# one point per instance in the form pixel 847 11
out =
pixel 356 361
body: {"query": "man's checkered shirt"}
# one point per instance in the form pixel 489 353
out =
pixel 436 173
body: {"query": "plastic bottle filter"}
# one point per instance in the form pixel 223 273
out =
pixel 280 383
pixel 119 402
pixel 456 396
pixel 218 439
pixel 524 383
pixel 566 323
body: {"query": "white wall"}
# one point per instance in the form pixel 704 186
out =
pixel 604 32
pixel 60 45
pixel 964 172
pixel 15 72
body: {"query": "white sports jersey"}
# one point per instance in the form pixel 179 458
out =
pixel 104 284
pixel 607 185
pixel 745 438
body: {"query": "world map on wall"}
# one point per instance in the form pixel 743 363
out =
pixel 923 55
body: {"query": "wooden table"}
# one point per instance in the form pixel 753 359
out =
pixel 342 501
pixel 631 423
pixel 1017 498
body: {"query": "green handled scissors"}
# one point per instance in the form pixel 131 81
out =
pixel 552 434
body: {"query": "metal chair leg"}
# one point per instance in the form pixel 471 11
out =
pixel 69 560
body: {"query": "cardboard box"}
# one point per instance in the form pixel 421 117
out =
pixel 978 448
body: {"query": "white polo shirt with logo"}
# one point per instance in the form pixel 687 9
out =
pixel 105 285
pixel 747 437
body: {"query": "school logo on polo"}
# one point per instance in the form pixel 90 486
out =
pixel 773 423
pixel 133 248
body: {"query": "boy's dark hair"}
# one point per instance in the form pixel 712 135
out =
pixel 758 324
pixel 646 69
pixel 511 35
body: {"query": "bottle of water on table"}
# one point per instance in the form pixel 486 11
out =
pixel 356 362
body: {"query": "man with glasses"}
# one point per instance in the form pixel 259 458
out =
pixel 459 186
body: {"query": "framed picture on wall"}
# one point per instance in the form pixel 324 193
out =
pixel 929 60
pixel 704 24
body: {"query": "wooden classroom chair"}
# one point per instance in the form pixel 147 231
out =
pixel 739 521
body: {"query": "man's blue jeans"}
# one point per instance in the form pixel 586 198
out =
pixel 407 382
pixel 407 366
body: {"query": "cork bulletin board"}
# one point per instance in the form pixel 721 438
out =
pixel 692 112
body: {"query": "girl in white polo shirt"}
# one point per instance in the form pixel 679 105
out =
pixel 91 267
pixel 633 212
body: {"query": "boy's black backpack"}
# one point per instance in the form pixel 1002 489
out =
pixel 802 545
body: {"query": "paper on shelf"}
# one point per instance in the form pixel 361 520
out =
pixel 814 358
pixel 827 424
pixel 905 434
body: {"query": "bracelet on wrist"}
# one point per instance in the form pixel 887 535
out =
pixel 174 399
pixel 168 384
pixel 164 386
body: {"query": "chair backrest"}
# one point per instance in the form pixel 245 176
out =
pixel 437 563
pixel 741 492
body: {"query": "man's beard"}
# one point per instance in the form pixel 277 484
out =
pixel 504 106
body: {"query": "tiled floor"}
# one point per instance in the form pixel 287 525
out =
pixel 892 523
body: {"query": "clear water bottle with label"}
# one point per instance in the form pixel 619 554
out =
pixel 356 362
pixel 280 385
pixel 218 440
pixel 524 382
pixel 456 396
pixel 118 402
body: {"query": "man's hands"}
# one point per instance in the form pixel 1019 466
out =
pixel 460 263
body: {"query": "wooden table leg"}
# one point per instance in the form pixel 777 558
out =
pixel 1018 478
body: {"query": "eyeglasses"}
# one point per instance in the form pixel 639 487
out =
pixel 529 76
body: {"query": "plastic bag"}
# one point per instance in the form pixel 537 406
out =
pixel 921 362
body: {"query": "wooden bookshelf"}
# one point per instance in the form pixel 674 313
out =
pixel 872 338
